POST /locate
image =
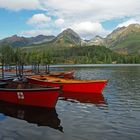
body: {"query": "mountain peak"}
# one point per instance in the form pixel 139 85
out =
pixel 135 25
pixel 98 37
pixel 14 35
pixel 68 36
pixel 97 40
pixel 69 31
pixel 12 39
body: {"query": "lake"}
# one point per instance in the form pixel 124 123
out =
pixel 115 115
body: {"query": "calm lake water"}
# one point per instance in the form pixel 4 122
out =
pixel 113 116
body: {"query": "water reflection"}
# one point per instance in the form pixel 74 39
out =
pixel 36 115
pixel 93 98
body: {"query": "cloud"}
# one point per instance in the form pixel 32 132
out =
pixel 80 9
pixel 39 19
pixel 128 22
pixel 35 32
pixel 20 4
pixel 89 29
pixel 59 22
pixel 93 10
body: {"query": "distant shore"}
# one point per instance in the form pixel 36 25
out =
pixel 91 65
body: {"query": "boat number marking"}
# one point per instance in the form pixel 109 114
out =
pixel 20 95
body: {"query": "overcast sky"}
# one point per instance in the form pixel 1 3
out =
pixel 49 17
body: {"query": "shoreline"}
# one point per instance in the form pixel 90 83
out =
pixel 92 65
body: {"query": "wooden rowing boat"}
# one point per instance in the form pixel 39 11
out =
pixel 67 74
pixel 70 85
pixel 29 94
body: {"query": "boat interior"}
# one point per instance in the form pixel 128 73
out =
pixel 62 80
pixel 19 85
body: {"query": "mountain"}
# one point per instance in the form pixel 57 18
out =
pixel 98 41
pixel 69 48
pixel 40 39
pixel 14 41
pixel 17 41
pixel 124 40
pixel 67 37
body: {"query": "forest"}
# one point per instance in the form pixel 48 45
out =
pixel 64 55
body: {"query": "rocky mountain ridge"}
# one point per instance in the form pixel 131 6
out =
pixel 123 40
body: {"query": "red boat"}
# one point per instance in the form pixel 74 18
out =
pixel 67 74
pixel 70 85
pixel 28 94
pixel 96 99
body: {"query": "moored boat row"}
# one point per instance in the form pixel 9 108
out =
pixel 67 74
pixel 44 90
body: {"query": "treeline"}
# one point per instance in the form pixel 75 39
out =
pixel 64 55
pixel 9 55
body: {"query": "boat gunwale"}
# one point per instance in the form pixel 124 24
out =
pixel 31 90
pixel 70 81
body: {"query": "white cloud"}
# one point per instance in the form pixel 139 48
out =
pixel 20 4
pixel 36 32
pixel 59 22
pixel 93 10
pixel 89 29
pixel 39 19
pixel 128 22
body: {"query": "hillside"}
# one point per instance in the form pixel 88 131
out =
pixel 125 40
pixel 67 48
pixel 48 54
pixel 75 55
pixel 17 41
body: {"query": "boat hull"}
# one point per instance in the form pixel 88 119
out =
pixel 83 87
pixel 41 98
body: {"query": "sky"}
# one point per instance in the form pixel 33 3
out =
pixel 50 17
